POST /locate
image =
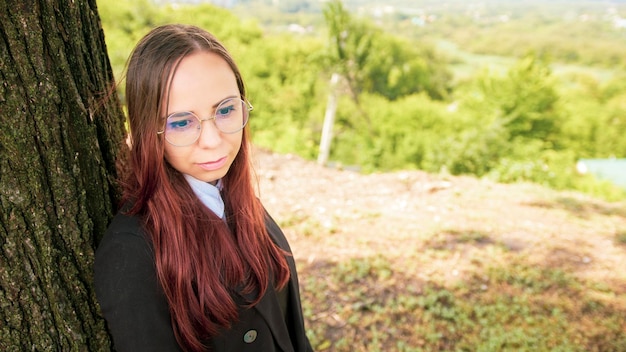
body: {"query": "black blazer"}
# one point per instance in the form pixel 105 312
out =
pixel 137 313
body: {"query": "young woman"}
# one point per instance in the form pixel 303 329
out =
pixel 193 262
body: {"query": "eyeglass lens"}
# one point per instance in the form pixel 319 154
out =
pixel 183 128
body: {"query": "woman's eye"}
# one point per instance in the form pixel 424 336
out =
pixel 181 122
pixel 224 111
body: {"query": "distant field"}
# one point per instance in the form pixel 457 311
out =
pixel 465 64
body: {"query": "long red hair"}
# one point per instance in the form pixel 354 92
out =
pixel 201 261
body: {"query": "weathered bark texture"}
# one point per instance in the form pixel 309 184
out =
pixel 60 133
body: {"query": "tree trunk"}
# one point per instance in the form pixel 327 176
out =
pixel 329 121
pixel 61 132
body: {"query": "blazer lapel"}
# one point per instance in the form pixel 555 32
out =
pixel 269 307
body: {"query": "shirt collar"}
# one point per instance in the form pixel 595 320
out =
pixel 209 194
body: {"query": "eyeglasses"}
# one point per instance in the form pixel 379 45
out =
pixel 184 128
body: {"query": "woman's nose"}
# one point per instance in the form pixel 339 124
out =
pixel 210 136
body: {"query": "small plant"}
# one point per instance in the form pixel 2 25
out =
pixel 620 237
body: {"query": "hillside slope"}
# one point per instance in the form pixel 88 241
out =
pixel 433 230
pixel 330 214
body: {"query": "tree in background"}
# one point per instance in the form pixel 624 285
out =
pixel 348 50
pixel 62 132
pixel 372 62
pixel 596 120
pixel 528 102
pixel 350 44
pixel 513 117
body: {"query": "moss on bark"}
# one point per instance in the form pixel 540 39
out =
pixel 61 132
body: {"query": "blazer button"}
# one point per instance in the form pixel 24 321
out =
pixel 250 336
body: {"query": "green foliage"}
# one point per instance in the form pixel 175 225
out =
pixel 397 107
pixel 471 150
pixel 399 134
pixel 287 116
pixel 524 102
pixel 373 61
pixel 596 117
pixel 511 120
pixel 523 130
pixel 401 68
pixel 125 22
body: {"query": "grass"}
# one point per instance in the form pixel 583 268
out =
pixel 364 304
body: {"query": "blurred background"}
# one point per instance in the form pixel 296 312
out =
pixel 477 181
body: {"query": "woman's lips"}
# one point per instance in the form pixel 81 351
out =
pixel 213 165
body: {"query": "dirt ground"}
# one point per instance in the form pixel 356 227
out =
pixel 331 215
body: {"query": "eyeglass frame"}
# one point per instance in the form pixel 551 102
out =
pixel 248 107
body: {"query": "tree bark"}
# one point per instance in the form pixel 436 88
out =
pixel 329 121
pixel 61 132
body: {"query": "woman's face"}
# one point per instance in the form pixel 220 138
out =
pixel 201 82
